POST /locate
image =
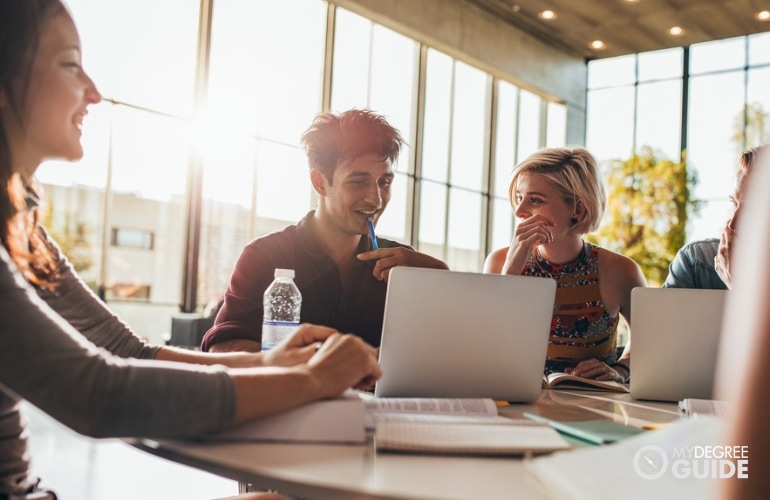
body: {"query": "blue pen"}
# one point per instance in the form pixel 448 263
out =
pixel 371 233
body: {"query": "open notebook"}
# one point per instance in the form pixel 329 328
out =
pixel 464 335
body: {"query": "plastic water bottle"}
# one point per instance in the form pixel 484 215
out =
pixel 282 304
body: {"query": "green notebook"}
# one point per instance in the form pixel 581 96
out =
pixel 592 431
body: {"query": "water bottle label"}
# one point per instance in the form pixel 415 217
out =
pixel 273 332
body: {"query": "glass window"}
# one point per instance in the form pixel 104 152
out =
pixel 438 108
pixel 505 138
pixel 394 69
pixel 719 55
pixel 150 156
pixel 74 216
pixel 502 224
pixel 659 117
pixel 352 49
pixel 714 124
pixel 758 108
pixel 283 182
pixel 716 109
pixel 257 90
pixel 135 55
pixel 610 123
pixel 469 127
pixel 529 124
pixel 556 129
pixel 612 72
pixel 660 64
pixel 464 230
pixel 759 49
pixel 432 213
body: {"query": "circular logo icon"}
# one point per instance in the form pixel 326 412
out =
pixel 650 461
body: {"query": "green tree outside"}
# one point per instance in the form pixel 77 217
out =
pixel 649 202
pixel 752 128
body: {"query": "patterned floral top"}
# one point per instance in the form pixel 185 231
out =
pixel 581 328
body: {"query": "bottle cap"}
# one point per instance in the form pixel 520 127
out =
pixel 284 273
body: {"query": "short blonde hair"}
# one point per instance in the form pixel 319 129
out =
pixel 573 173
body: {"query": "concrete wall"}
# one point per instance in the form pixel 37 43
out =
pixel 469 33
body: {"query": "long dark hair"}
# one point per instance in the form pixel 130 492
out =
pixel 20 27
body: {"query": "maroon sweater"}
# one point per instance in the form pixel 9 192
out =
pixel 355 306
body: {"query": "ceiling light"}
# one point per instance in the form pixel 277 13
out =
pixel 598 45
pixel 676 31
pixel 762 16
pixel 547 15
pixel 632 1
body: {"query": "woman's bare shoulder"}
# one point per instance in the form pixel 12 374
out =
pixel 494 262
pixel 618 264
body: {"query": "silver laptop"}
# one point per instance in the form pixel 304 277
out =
pixel 674 342
pixel 450 334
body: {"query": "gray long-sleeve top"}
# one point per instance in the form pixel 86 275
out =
pixel 67 354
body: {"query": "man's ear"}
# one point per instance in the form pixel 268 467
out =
pixel 319 181
pixel 3 98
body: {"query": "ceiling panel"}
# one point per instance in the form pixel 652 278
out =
pixel 630 27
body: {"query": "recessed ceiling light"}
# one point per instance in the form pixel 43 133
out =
pixel 763 15
pixel 632 1
pixel 515 8
pixel 676 31
pixel 547 15
pixel 598 45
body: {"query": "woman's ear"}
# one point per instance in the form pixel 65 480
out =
pixel 579 213
pixel 580 210
pixel 319 181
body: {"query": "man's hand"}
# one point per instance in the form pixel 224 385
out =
pixel 388 258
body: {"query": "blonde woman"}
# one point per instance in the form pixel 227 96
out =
pixel 558 197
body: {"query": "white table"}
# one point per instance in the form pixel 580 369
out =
pixel 358 471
